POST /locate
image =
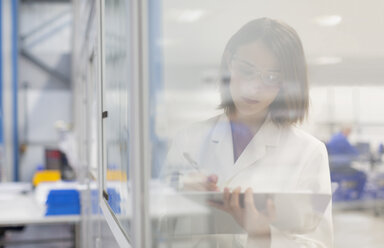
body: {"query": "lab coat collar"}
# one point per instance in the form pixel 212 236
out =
pixel 221 128
pixel 268 135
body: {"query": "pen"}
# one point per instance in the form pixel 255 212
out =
pixel 191 161
pixel 210 179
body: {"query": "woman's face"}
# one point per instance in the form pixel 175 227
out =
pixel 255 79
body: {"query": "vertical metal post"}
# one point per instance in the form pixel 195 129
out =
pixel 101 67
pixel 156 83
pixel 15 52
pixel 141 152
pixel 6 19
pixel 2 166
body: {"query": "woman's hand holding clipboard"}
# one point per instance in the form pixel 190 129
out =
pixel 255 220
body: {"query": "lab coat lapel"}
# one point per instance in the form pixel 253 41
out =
pixel 222 148
pixel 268 136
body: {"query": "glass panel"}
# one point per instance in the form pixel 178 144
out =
pixel 232 163
pixel 116 124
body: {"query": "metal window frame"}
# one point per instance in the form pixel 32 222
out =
pixel 118 232
pixel 140 159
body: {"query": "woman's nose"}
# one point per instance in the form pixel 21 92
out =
pixel 256 84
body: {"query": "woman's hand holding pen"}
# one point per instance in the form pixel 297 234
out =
pixel 254 222
pixel 198 181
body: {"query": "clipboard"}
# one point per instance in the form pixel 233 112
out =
pixel 296 212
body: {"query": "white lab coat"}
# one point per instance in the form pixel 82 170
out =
pixel 277 159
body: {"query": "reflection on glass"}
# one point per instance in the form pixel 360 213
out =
pixel 115 102
pixel 249 177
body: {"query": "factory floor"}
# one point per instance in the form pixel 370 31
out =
pixel 358 229
pixel 352 229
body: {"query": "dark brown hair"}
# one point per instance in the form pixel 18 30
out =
pixel 291 103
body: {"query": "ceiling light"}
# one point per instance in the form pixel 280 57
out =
pixel 327 21
pixel 190 15
pixel 165 42
pixel 327 60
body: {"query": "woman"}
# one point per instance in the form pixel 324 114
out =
pixel 254 146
